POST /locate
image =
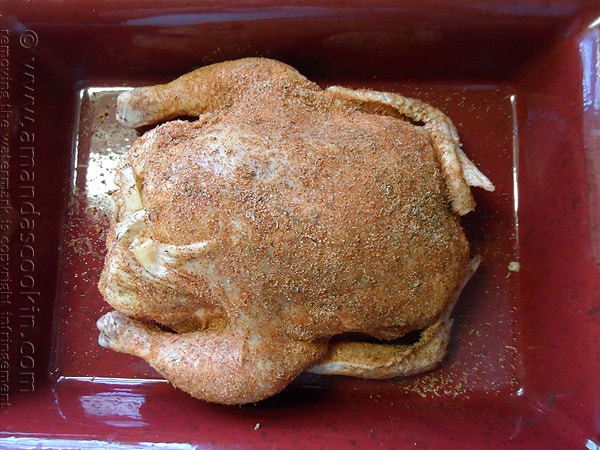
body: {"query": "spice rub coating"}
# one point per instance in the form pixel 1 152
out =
pixel 284 216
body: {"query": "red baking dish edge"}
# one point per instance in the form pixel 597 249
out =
pixel 541 61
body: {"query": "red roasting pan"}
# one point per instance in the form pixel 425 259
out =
pixel 521 81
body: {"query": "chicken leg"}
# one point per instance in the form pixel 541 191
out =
pixel 229 367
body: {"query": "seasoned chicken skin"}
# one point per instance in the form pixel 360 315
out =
pixel 281 229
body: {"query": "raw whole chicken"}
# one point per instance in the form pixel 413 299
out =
pixel 287 228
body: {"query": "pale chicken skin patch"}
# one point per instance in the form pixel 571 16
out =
pixel 261 239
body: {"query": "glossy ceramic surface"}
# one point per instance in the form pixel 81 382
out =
pixel 520 79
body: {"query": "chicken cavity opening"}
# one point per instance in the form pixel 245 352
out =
pixel 410 338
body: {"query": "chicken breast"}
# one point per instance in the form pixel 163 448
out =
pixel 288 228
